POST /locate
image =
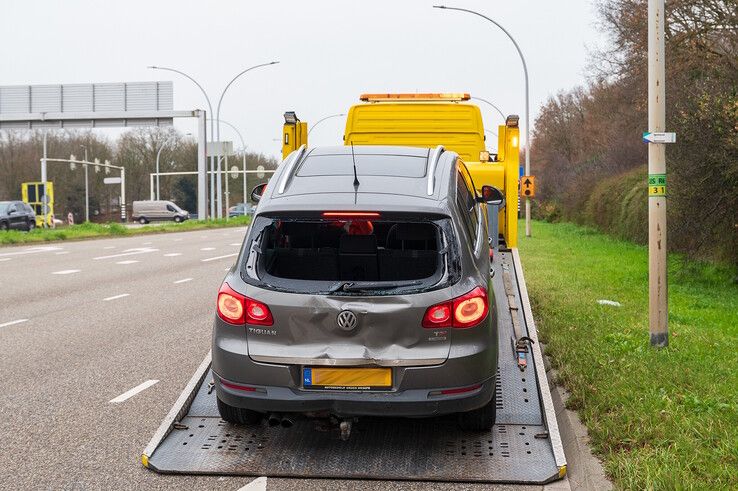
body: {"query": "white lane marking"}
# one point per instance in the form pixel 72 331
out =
pixel 11 323
pixel 218 257
pixel 207 248
pixel 235 244
pixel 177 240
pixel 203 236
pixel 62 252
pixel 115 297
pixel 32 250
pixel 5 259
pixel 258 484
pixel 147 243
pixel 128 252
pixel 130 261
pixel 173 254
pixel 128 394
pixel 184 280
pixel 109 247
pixel 67 271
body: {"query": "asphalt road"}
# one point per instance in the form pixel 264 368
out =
pixel 84 323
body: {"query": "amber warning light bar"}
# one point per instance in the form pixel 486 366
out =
pixel 451 97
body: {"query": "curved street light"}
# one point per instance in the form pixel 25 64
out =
pixel 217 126
pixel 527 106
pixel 243 145
pixel 212 132
pixel 323 119
pixel 502 115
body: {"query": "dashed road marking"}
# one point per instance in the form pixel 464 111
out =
pixel 5 259
pixel 147 243
pixel 173 254
pixel 128 394
pixel 207 248
pixel 109 247
pixel 116 297
pixel 32 250
pixel 177 240
pixel 218 257
pixel 67 271
pixel 184 280
pixel 128 252
pixel 12 323
pixel 130 261
pixel 235 244
pixel 61 252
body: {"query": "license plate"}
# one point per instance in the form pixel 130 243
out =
pixel 347 378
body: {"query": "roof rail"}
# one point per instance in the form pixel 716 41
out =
pixel 432 168
pixel 290 167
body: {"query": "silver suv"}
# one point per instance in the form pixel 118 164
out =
pixel 362 288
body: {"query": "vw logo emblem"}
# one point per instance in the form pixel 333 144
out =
pixel 346 320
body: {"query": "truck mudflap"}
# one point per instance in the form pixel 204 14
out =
pixel 523 447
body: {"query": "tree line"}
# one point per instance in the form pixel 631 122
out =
pixel 136 150
pixel 587 146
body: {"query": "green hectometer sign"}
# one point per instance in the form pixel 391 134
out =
pixel 656 185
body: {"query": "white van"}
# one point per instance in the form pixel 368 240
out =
pixel 149 211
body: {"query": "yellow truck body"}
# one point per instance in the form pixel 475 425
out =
pixel 31 193
pixel 429 120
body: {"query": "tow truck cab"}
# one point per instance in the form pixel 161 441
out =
pixel 430 120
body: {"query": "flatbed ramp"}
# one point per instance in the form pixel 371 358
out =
pixel 523 447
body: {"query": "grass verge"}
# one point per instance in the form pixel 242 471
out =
pixel 101 230
pixel 660 419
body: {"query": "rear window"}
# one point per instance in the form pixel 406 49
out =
pixel 350 256
pixel 366 165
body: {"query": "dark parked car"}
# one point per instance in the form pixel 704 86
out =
pixel 361 295
pixel 16 215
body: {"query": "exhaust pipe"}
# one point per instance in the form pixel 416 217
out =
pixel 287 422
pixel 274 419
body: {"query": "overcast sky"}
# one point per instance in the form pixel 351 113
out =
pixel 329 53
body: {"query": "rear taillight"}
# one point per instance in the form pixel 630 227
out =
pixel 465 311
pixel 237 309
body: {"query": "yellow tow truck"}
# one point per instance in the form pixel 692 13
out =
pixel 429 120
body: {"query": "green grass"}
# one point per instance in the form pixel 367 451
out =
pixel 100 230
pixel 660 419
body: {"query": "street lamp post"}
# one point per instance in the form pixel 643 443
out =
pixel 87 188
pixel 243 147
pixel 158 154
pixel 527 105
pixel 212 132
pixel 323 119
pixel 217 126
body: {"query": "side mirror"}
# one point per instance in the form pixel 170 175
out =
pixel 491 195
pixel 258 191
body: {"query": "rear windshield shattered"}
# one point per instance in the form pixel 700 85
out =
pixel 357 256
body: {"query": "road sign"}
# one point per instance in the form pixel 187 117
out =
pixel 112 180
pixel 657 184
pixel 528 186
pixel 656 137
pixel 220 149
pixel 260 171
pixel 234 172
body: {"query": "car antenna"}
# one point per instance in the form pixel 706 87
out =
pixel 353 158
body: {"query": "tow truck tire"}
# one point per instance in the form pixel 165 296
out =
pixel 238 415
pixel 482 419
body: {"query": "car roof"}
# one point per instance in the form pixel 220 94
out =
pixel 390 177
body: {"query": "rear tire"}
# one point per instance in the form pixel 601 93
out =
pixel 177 219
pixel 31 225
pixel 3 226
pixel 238 415
pixel 482 419
pixel 143 221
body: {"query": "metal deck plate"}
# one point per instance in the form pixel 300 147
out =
pixel 517 450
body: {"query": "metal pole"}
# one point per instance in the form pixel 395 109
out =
pixel 201 165
pixel 245 187
pixel 87 190
pixel 123 194
pixel 152 196
pixel 658 312
pixel 44 199
pixel 527 104
pixel 217 125
pixel 227 193
pixel 502 115
pixel 243 146
pixel 158 154
pixel 212 135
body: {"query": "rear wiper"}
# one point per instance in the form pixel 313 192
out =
pixel 376 285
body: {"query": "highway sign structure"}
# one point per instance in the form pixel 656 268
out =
pixel 658 137
pixel 528 186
